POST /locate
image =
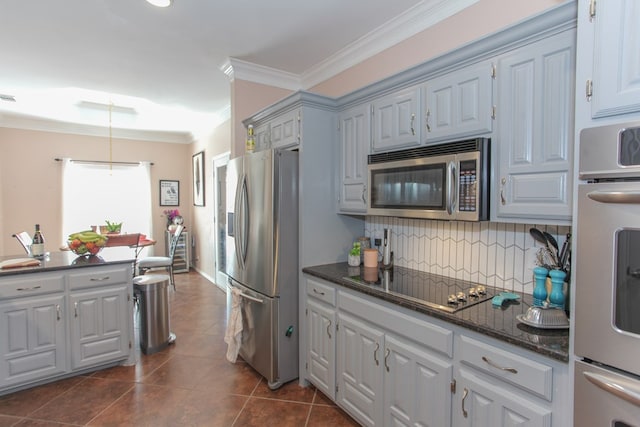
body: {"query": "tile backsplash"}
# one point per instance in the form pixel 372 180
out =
pixel 490 253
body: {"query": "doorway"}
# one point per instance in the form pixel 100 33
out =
pixel 220 219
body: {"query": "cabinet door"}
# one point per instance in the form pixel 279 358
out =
pixel 321 347
pixel 32 339
pixel 485 402
pixel 285 130
pixel 396 120
pixel 355 138
pixel 359 370
pixel 459 103
pixel 417 385
pixel 262 136
pixel 535 130
pixel 616 69
pixel 99 326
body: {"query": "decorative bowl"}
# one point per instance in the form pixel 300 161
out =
pixel 84 249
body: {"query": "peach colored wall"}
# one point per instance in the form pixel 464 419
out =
pixel 483 18
pixel 202 226
pixel 247 98
pixel 31 179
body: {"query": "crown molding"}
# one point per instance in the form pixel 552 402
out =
pixel 415 20
pixel 18 121
pixel 238 69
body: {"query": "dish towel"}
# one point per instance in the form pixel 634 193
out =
pixel 233 335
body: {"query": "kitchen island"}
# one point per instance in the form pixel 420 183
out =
pixel 67 316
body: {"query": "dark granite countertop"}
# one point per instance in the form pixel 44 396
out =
pixel 500 323
pixel 66 260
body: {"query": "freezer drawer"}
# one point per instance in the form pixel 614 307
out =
pixel 605 397
pixel 269 336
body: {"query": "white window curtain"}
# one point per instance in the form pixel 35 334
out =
pixel 93 193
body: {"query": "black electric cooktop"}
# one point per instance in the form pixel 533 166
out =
pixel 440 292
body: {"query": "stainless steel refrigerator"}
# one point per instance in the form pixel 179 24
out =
pixel 262 259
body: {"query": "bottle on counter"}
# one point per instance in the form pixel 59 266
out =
pixel 251 141
pixel 37 243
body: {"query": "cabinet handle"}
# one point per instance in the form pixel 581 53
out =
pixel 375 354
pixel 99 279
pixel 465 392
pixel 503 181
pixel 58 311
pixel 315 291
pixel 28 289
pixel 75 309
pixel 427 116
pixel 588 91
pixel 502 368
pixel 413 119
pixel 386 356
pixel 329 329
pixel 364 194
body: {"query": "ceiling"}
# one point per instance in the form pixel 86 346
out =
pixel 89 63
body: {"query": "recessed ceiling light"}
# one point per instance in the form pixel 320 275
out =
pixel 160 3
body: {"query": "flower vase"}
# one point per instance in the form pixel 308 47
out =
pixel 354 260
pixel 539 291
pixel 556 297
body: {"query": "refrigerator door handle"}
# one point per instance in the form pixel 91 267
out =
pixel 236 226
pixel 245 218
pixel 249 297
pixel 623 391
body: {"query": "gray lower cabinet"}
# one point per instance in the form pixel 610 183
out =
pixel 56 324
pixel 394 367
pixel 32 338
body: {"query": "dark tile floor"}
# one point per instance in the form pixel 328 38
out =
pixel 188 384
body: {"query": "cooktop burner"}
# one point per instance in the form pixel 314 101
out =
pixel 444 293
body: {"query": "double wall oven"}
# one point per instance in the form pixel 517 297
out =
pixel 607 278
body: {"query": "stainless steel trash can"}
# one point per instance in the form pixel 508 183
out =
pixel 152 294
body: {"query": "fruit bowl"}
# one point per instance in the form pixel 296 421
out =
pixel 86 243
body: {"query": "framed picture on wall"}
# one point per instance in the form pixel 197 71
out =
pixel 198 179
pixel 169 193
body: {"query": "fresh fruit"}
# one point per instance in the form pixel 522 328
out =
pixel 86 242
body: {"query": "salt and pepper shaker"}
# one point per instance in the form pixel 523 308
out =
pixel 539 291
pixel 556 297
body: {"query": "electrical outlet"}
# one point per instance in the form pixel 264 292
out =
pixel 377 242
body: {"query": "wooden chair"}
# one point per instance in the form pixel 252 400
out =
pixel 166 262
pixel 25 240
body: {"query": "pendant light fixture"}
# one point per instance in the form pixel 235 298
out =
pixel 160 3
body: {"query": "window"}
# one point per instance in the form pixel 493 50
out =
pixel 95 192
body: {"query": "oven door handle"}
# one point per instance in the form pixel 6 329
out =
pixel 624 391
pixel 615 196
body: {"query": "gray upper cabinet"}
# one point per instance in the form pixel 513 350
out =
pixel 397 120
pixel 534 140
pixel 355 141
pixel 459 103
pixel 615 86
pixel 282 131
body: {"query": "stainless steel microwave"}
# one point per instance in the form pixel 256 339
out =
pixel 444 181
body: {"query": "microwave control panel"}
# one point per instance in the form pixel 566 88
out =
pixel 467 188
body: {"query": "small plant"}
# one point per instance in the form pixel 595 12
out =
pixel 355 250
pixel 113 227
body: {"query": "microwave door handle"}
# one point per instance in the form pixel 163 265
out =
pixel 451 188
pixel 615 196
pixel 627 392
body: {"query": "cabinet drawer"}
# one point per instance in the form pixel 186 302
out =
pixel 427 334
pixel 94 277
pixel 509 367
pixel 31 284
pixel 320 291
